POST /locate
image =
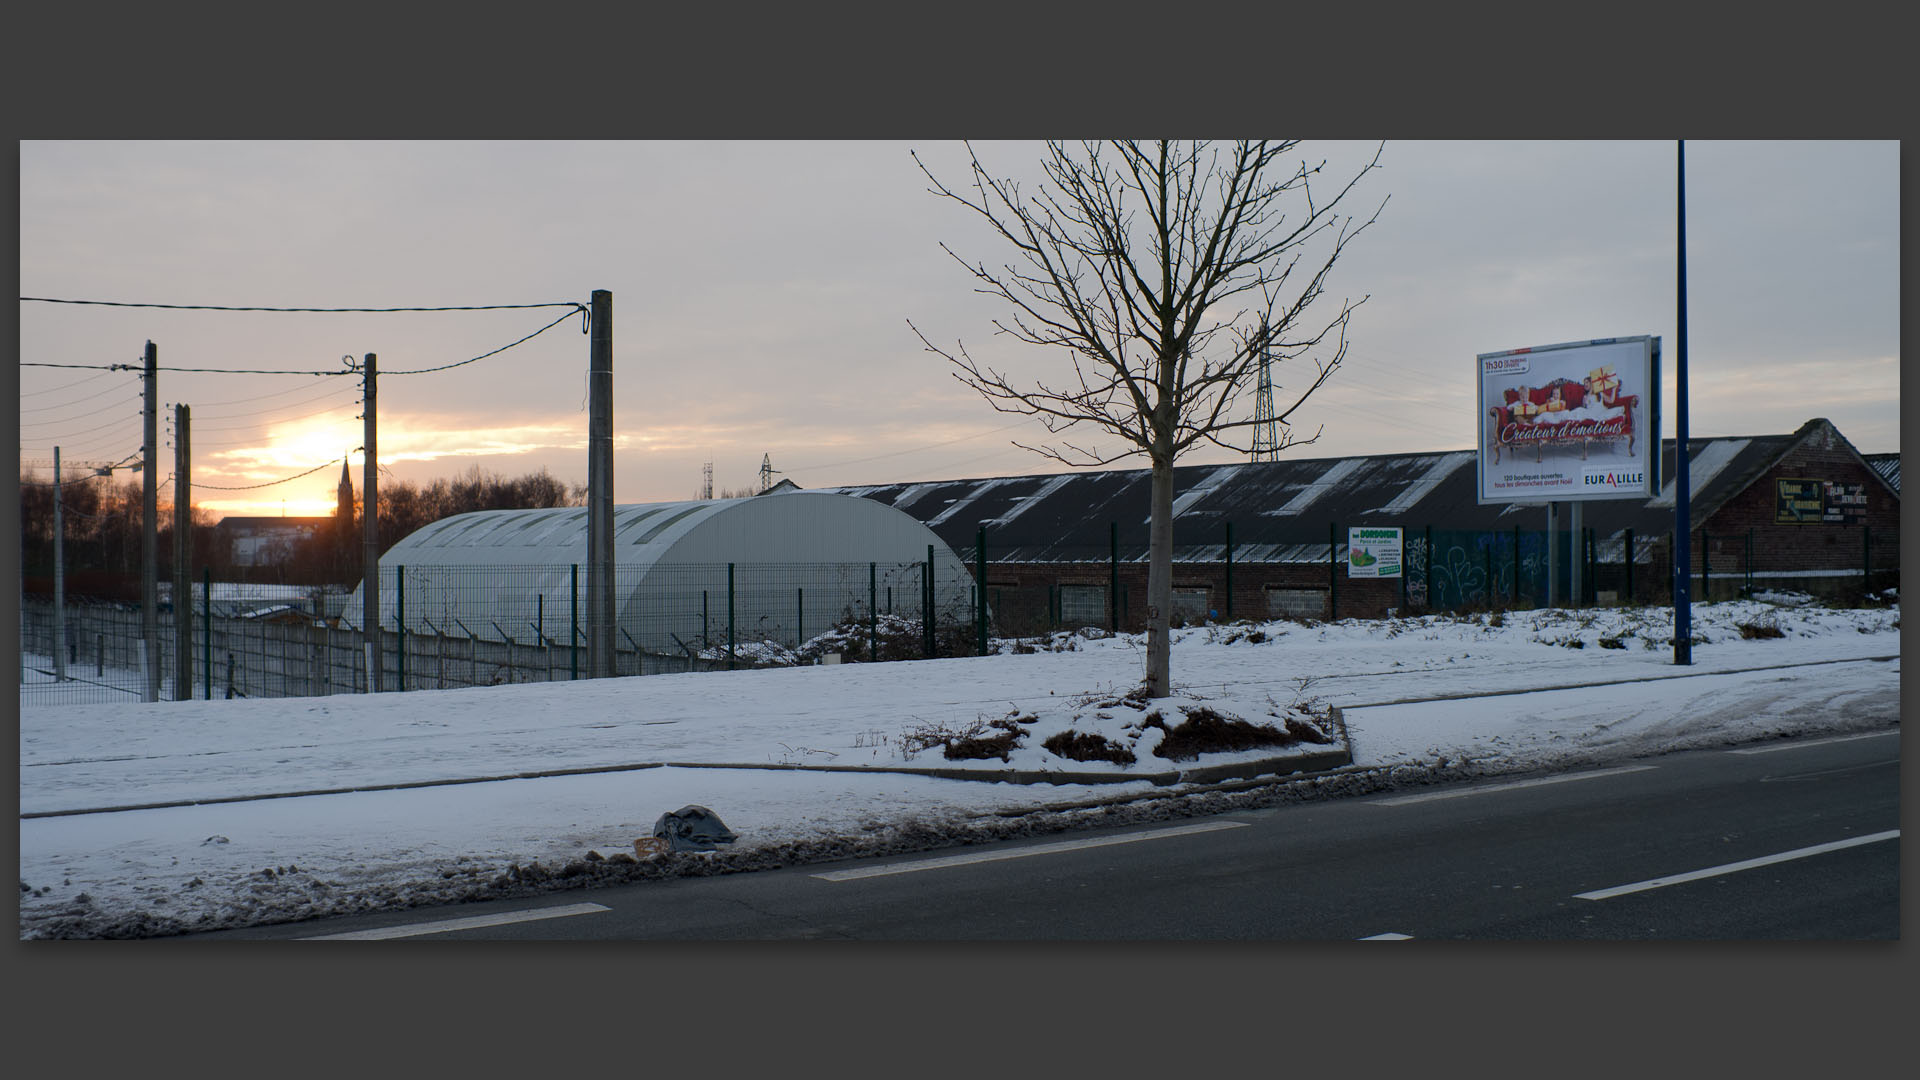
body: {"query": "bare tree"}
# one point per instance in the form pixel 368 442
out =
pixel 1165 271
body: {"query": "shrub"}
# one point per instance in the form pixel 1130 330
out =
pixel 1205 731
pixel 1080 746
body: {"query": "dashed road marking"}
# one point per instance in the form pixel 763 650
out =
pixel 1481 789
pixel 1389 937
pixel 1024 852
pixel 1797 744
pixel 445 925
pixel 1736 867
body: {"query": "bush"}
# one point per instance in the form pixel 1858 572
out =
pixel 1206 732
pixel 1079 746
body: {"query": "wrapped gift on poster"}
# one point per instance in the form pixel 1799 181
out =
pixel 1523 405
pixel 1604 382
pixel 1555 403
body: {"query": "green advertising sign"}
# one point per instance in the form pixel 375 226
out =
pixel 1374 553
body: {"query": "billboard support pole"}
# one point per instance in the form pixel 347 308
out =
pixel 1578 594
pixel 1553 554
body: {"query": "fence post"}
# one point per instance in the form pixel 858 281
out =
pixel 873 614
pixel 1749 589
pixel 1427 543
pixel 1516 566
pixel 1404 573
pixel 926 603
pixel 729 616
pixel 799 616
pixel 1229 607
pixel 573 627
pixel 1628 559
pixel 1705 567
pixel 400 621
pixel 1113 576
pixel 1486 557
pixel 206 630
pixel 1333 571
pixel 980 586
pixel 1866 558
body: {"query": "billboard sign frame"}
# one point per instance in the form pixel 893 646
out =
pixel 1523 405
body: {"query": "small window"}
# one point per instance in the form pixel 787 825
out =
pixel 1291 603
pixel 1192 603
pixel 1083 605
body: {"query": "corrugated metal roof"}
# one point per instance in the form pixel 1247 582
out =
pixel 1888 466
pixel 1282 510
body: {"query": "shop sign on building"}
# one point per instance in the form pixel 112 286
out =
pixel 1819 502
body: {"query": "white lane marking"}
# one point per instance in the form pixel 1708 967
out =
pixel 1023 852
pixel 1389 937
pixel 1481 789
pixel 1797 744
pixel 502 919
pixel 1731 868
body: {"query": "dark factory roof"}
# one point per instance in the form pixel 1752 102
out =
pixel 1281 511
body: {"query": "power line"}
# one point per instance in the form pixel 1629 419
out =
pixel 273 483
pixel 501 349
pixel 352 370
pixel 582 308
pixel 63 386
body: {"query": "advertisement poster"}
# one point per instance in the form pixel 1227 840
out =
pixel 1819 502
pixel 1570 422
pixel 1373 553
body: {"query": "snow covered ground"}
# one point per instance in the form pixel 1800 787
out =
pixel 142 820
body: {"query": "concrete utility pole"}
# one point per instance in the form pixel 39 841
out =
pixel 59 579
pixel 150 536
pixel 370 538
pixel 600 489
pixel 182 555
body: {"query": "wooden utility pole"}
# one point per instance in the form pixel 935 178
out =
pixel 182 555
pixel 150 535
pixel 370 538
pixel 600 609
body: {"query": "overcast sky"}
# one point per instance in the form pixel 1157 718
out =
pixel 761 294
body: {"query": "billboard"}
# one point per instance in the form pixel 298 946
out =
pixel 1574 421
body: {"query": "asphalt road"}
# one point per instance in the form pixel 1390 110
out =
pixel 1776 841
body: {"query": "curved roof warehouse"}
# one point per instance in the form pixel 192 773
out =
pixel 794 563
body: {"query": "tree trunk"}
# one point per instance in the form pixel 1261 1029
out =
pixel 1160 580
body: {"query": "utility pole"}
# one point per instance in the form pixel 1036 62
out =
pixel 150 535
pixel 1682 481
pixel 370 536
pixel 59 579
pixel 600 489
pixel 182 555
pixel 767 472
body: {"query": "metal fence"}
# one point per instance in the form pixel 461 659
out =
pixel 447 628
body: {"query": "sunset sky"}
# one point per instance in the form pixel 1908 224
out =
pixel 762 291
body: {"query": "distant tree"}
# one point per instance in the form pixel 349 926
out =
pixel 1165 271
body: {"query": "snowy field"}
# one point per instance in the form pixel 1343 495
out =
pixel 354 803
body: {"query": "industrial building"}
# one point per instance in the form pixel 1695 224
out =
pixel 1803 511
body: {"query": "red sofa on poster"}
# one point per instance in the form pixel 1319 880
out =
pixel 1564 411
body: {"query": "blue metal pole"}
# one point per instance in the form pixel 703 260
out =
pixel 1682 483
